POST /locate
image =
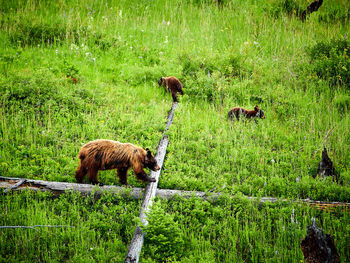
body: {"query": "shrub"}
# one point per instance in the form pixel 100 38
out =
pixel 330 61
pixel 163 238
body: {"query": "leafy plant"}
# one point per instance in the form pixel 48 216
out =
pixel 330 61
pixel 164 238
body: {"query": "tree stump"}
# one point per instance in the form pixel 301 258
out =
pixel 318 247
pixel 325 166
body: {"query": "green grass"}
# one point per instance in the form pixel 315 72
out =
pixel 237 230
pixel 242 53
pixel 100 230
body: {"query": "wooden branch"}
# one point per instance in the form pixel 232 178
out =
pixel 21 181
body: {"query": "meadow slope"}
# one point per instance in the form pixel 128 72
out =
pixel 71 72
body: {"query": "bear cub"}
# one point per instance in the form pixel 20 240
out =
pixel 173 85
pixel 238 112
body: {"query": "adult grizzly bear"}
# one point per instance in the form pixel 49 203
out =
pixel 237 112
pixel 173 85
pixel 107 154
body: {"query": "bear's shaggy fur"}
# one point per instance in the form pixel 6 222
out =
pixel 107 154
pixel 237 112
pixel 173 85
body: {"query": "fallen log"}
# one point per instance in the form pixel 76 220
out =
pixel 136 193
pixel 136 244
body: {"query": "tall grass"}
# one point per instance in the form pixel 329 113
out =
pixel 96 230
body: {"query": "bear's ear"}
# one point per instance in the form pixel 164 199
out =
pixel 256 108
pixel 149 154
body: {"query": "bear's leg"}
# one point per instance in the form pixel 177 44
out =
pixel 122 174
pixel 80 173
pixel 93 175
pixel 173 94
pixel 143 176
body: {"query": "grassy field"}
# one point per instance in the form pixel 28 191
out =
pixel 71 72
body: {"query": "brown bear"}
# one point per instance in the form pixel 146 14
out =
pixel 237 112
pixel 173 85
pixel 107 154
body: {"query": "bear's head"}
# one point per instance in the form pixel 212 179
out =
pixel 161 81
pixel 260 113
pixel 150 161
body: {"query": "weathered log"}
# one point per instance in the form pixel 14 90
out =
pixel 318 247
pixel 60 187
pixel 137 193
pixel 170 117
pixel 150 192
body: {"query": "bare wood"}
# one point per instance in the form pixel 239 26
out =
pixel 136 244
pixel 170 116
pixel 137 193
pixel 150 192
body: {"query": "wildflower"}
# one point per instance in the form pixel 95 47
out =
pixel 297 179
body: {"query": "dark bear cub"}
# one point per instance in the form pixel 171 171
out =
pixel 173 85
pixel 239 112
pixel 107 154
